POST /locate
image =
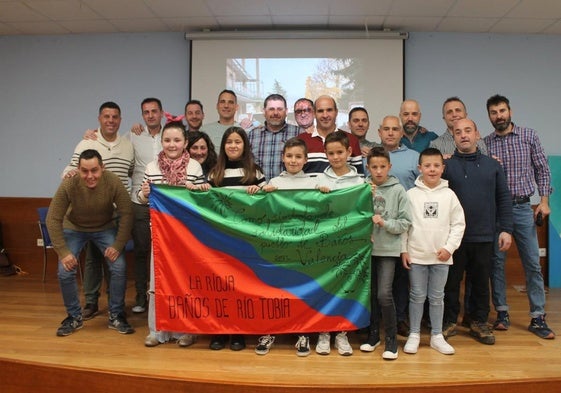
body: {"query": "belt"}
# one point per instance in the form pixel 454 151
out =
pixel 518 200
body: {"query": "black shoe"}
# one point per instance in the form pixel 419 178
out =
pixel 403 328
pixel 119 323
pixel 217 342
pixel 372 341
pixel 237 342
pixel 89 311
pixel 390 352
pixel 69 325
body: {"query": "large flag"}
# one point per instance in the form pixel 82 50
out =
pixel 287 261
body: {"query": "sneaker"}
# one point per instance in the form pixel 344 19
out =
pixel 303 346
pixel 151 341
pixel 217 342
pixel 482 332
pixel 449 329
pixel 390 352
pixel 138 309
pixel 342 344
pixel 540 328
pixel 412 344
pixel 502 322
pixel 119 323
pixel 403 328
pixel 438 342
pixel 237 342
pixel 186 340
pixel 89 311
pixel 70 325
pixel 264 344
pixel 372 341
pixel 323 347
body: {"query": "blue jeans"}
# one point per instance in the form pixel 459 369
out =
pixel 427 280
pixel 75 241
pixel 383 270
pixel 526 239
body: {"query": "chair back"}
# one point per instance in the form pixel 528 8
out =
pixel 42 211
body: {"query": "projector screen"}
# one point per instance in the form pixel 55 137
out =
pixel 356 72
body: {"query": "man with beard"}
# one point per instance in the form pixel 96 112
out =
pixel 415 137
pixel 521 154
pixel 267 141
pixel 194 115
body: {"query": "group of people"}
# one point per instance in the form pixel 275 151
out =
pixel 444 206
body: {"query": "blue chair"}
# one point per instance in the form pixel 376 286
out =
pixel 47 244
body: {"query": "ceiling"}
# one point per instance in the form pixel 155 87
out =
pixel 43 17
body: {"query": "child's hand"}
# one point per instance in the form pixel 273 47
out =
pixel 406 260
pixel 378 220
pixel 443 255
pixel 204 187
pixel 269 188
pixel 145 187
pixel 324 189
pixel 253 189
pixel 373 188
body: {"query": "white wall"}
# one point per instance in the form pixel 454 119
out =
pixel 51 88
pixel 476 66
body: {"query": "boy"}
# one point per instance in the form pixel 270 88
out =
pixel 339 174
pixel 437 227
pixel 294 156
pixel 391 219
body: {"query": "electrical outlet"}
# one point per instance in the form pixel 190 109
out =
pixel 39 242
pixel 543 252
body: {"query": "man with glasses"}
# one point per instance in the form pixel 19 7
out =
pixel 304 114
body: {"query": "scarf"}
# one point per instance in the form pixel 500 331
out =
pixel 174 171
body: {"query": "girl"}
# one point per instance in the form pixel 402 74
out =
pixel 235 168
pixel 173 167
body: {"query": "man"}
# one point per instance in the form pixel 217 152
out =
pixel 453 109
pixel 83 210
pixel 325 111
pixel 147 145
pixel 118 157
pixel 194 115
pixel 304 114
pixel 359 123
pixel 226 106
pixel 405 167
pixel 520 152
pixel 415 137
pixel 404 161
pixel 480 184
pixel 267 141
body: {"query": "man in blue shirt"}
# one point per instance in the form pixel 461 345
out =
pixel 415 137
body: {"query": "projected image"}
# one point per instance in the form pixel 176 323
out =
pixel 253 79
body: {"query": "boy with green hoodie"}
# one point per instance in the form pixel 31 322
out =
pixel 391 219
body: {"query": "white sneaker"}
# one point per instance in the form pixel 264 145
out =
pixel 303 346
pixel 186 340
pixel 342 344
pixel 439 343
pixel 412 344
pixel 323 347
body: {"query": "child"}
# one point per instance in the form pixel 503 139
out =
pixel 235 168
pixel 436 232
pixel 174 167
pixel 294 156
pixel 337 175
pixel 391 219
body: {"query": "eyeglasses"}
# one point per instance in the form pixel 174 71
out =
pixel 303 111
